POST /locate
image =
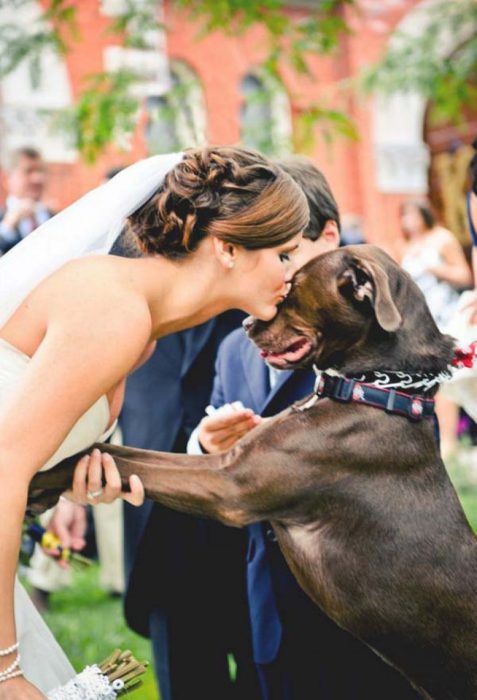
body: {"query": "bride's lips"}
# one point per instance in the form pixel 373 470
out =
pixel 284 293
pixel 293 353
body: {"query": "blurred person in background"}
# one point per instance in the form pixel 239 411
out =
pixel 68 522
pixel 436 262
pixel 24 211
pixel 24 208
pixel 351 230
pixel 472 221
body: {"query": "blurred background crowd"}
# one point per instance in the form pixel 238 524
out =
pixel 379 97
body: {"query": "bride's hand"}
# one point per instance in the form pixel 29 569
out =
pixel 19 689
pixel 87 481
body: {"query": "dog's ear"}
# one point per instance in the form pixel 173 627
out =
pixel 368 282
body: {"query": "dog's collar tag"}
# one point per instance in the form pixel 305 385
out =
pixel 311 402
pixel 316 391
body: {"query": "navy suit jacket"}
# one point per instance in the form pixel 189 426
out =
pixel 242 375
pixel 5 246
pixel 165 399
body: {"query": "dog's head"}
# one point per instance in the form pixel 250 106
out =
pixel 350 306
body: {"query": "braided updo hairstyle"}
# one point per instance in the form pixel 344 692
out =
pixel 232 193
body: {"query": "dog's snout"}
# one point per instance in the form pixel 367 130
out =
pixel 247 323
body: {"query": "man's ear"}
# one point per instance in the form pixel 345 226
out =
pixel 330 235
pixel 368 282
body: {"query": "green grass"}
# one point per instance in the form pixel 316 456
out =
pixel 89 625
pixel 463 473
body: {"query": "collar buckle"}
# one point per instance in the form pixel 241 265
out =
pixel 389 408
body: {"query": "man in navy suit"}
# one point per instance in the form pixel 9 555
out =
pixel 299 652
pixel 24 210
pixel 185 576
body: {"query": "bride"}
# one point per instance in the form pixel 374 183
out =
pixel 217 228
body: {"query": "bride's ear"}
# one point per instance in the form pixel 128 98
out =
pixel 225 253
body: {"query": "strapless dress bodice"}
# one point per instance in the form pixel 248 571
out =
pixel 43 661
pixel 90 428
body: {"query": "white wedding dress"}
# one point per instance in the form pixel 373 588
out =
pixel 42 659
pixel 89 226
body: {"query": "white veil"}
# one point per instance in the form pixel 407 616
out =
pixel 89 226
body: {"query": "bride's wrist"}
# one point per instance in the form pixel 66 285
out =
pixel 10 664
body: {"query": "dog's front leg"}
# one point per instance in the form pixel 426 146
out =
pixel 248 483
pixel 203 485
pixel 254 480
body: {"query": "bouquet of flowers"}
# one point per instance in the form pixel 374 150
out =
pixel 117 675
pixel 33 532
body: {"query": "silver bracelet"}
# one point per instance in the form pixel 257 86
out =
pixel 13 674
pixel 9 650
pixel 4 675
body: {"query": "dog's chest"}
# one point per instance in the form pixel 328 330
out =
pixel 304 548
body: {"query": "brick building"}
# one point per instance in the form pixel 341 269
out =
pixel 216 92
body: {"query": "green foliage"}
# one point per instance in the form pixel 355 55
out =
pixel 419 63
pixel 106 108
pixel 135 22
pixel 294 39
pixel 104 113
pixel 50 31
pixel 328 123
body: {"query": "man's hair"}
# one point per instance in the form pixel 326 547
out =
pixel 22 152
pixel 112 172
pixel 317 191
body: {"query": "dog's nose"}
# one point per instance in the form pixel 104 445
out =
pixel 247 323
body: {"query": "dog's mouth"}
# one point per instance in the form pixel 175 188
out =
pixel 292 354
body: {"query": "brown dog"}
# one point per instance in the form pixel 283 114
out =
pixel 359 498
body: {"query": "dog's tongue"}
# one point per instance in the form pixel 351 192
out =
pixel 292 353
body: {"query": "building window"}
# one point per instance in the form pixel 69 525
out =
pixel 265 118
pixel 30 102
pixel 177 118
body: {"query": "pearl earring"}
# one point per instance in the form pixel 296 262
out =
pixel 231 264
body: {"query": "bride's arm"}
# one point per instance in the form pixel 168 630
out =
pixel 79 359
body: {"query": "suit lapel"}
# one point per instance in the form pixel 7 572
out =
pixel 281 380
pixel 256 375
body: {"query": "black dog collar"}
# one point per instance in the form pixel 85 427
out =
pixel 392 401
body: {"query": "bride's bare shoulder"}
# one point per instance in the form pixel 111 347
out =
pixel 96 288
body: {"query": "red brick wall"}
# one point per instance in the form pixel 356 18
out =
pixel 220 62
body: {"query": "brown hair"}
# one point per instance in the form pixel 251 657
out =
pixel 317 191
pixel 22 152
pixel 424 209
pixel 232 193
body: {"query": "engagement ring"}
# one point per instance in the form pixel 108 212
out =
pixel 91 495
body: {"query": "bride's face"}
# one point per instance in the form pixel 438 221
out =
pixel 263 277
